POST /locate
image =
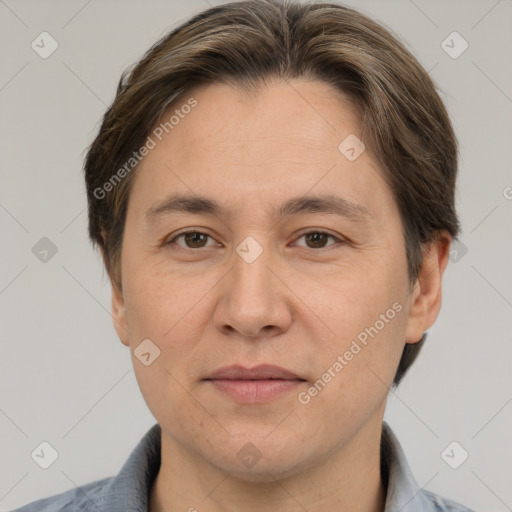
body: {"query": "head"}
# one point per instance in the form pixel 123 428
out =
pixel 268 117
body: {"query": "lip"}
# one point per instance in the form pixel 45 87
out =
pixel 260 372
pixel 260 384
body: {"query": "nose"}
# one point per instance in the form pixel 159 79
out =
pixel 253 300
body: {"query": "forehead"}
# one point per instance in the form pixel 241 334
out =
pixel 279 141
pixel 295 116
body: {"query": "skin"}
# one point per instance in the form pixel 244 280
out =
pixel 299 305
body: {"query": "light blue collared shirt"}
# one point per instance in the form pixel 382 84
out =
pixel 129 491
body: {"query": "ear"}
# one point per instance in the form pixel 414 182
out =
pixel 427 291
pixel 119 315
pixel 118 306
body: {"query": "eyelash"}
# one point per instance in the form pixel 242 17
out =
pixel 316 231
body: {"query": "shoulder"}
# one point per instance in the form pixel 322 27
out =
pixel 128 490
pixel 441 504
pixel 81 499
pixel 403 492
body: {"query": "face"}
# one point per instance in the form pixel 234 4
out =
pixel 280 304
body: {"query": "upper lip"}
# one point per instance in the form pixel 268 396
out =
pixel 260 372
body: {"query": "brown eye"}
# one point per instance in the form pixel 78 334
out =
pixel 317 239
pixel 193 240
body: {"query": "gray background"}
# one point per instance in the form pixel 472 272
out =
pixel 66 379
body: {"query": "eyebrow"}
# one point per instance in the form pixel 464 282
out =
pixel 201 205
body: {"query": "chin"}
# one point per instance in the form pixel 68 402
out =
pixel 264 471
pixel 261 461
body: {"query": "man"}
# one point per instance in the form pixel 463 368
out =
pixel 272 191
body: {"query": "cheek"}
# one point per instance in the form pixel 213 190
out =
pixel 159 303
pixel 171 318
pixel 171 403
pixel 366 312
pixel 355 298
pixel 173 312
pixel 354 376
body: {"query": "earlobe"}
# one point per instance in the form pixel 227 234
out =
pixel 426 296
pixel 119 315
pixel 118 305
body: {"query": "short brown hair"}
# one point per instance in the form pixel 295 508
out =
pixel 405 124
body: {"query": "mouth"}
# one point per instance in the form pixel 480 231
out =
pixel 260 384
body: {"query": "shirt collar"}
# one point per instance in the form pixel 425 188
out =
pixel 403 492
pixel 129 491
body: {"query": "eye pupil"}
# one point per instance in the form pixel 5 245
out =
pixel 316 238
pixel 194 238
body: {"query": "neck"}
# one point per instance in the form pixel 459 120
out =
pixel 349 480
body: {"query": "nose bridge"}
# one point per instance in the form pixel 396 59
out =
pixel 251 300
pixel 251 276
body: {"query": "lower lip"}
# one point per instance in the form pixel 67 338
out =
pixel 256 391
